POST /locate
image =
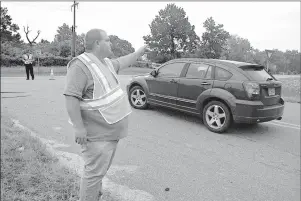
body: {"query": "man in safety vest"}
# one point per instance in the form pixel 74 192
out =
pixel 98 108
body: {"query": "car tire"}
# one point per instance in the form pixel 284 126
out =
pixel 217 117
pixel 141 102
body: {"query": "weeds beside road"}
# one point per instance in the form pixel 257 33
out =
pixel 291 88
pixel 29 172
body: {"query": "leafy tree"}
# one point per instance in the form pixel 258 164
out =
pixel 120 47
pixel 295 62
pixel 63 41
pixel 80 44
pixel 288 61
pixel 53 48
pixel 10 49
pixel 213 40
pixel 64 32
pixel 259 57
pixel 9 30
pixel 44 41
pixel 172 35
pixel 65 48
pixel 238 49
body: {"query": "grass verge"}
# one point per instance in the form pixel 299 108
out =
pixel 291 89
pixel 29 172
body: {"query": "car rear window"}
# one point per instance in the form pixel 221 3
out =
pixel 257 73
pixel 222 74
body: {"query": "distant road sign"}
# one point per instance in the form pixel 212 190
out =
pixel 269 53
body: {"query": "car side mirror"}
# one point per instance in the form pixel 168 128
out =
pixel 154 73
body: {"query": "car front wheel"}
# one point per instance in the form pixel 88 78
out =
pixel 216 116
pixel 137 98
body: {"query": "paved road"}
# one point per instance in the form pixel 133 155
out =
pixel 167 149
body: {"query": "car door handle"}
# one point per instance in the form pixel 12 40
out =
pixel 205 83
pixel 173 81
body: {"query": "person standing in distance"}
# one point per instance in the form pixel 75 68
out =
pixel 97 107
pixel 28 62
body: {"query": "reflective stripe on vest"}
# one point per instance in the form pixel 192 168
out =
pixel 103 102
pixel 93 75
pixel 100 80
pixel 28 58
pixel 100 100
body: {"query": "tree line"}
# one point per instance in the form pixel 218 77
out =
pixel 171 36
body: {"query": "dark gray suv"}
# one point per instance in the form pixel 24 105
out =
pixel 219 91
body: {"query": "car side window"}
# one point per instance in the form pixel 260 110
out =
pixel 197 70
pixel 171 70
pixel 221 74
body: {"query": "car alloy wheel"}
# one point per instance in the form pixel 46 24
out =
pixel 217 116
pixel 138 98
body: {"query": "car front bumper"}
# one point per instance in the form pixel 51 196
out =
pixel 256 112
pixel 127 88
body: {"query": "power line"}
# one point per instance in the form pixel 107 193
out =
pixel 73 29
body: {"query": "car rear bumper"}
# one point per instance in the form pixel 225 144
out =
pixel 256 112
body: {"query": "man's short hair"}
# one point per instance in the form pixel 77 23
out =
pixel 91 37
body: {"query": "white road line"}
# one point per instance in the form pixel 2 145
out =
pixel 283 125
pixel 75 162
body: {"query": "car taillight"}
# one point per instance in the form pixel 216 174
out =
pixel 252 89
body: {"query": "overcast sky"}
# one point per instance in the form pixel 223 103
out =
pixel 267 25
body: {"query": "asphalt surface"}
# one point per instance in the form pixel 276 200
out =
pixel 172 156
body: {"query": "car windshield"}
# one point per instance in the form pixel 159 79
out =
pixel 257 73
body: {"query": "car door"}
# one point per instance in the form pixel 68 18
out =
pixel 163 87
pixel 196 80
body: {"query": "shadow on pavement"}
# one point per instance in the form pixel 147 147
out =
pixel 246 130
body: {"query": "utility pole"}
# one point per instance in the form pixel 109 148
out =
pixel 73 30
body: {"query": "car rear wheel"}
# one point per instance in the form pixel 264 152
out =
pixel 137 98
pixel 216 116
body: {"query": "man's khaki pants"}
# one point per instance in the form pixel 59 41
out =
pixel 98 158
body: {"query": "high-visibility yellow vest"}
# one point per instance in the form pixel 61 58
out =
pixel 111 102
pixel 28 58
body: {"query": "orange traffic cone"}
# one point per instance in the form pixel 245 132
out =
pixel 51 75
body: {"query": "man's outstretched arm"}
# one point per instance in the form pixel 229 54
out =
pixel 127 60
